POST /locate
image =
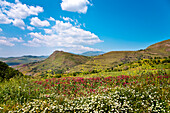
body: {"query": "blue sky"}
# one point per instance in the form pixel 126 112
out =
pixel 36 27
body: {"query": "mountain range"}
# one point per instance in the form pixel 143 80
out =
pixel 13 61
pixel 63 62
pixel 92 53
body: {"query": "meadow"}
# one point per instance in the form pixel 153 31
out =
pixel 142 88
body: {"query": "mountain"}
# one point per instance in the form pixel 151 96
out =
pixel 110 59
pixel 92 53
pixel 63 62
pixel 30 56
pixel 13 61
pixel 57 62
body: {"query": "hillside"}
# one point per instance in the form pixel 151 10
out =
pixel 160 48
pixel 110 59
pixel 58 62
pixel 12 61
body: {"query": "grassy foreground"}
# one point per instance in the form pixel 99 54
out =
pixel 148 92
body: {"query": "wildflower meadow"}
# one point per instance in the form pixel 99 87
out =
pixel 139 93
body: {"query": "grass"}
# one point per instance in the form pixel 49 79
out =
pixel 131 72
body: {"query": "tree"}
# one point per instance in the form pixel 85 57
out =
pixel 7 72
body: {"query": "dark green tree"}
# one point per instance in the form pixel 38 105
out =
pixel 7 72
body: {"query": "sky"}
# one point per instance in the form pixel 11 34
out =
pixel 39 27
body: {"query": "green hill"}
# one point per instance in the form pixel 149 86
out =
pixel 160 48
pixel 7 72
pixel 58 62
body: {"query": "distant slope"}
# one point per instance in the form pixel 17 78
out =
pixel 108 60
pixel 58 62
pixel 12 61
pixel 92 53
pixel 160 48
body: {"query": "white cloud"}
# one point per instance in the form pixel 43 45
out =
pixel 19 23
pixel 18 10
pixel 68 19
pixel 66 36
pixel 38 35
pixel 35 21
pixel 51 18
pixel 16 1
pixel 8 41
pixel 0 29
pixel 4 19
pixel 79 6
pixel 79 49
pixel 30 28
pixel 61 26
pixel 48 31
pixel 16 40
pixel 75 21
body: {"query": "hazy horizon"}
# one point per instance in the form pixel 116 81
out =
pixel 72 52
